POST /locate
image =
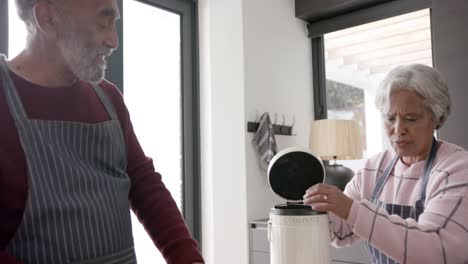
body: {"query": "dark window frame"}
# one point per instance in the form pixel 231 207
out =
pixel 4 27
pixel 317 30
pixel 191 180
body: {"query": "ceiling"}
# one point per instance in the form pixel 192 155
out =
pixel 377 47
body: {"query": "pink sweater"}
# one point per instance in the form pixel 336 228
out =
pixel 440 235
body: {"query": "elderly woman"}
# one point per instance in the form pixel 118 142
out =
pixel 409 203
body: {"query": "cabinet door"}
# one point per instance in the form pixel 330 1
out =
pixel 260 258
pixel 260 240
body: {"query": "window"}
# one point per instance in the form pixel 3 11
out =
pixel 356 60
pixel 17 30
pixel 152 81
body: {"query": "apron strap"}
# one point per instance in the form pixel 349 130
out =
pixel 427 172
pixel 106 101
pixel 383 179
pixel 423 184
pixel 11 96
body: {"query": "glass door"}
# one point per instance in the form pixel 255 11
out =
pixel 152 92
pixel 16 31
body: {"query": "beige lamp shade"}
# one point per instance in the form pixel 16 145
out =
pixel 336 139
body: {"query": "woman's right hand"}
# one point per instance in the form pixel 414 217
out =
pixel 328 198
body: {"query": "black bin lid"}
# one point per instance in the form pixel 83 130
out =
pixel 292 171
pixel 294 209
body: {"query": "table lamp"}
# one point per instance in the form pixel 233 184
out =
pixel 336 139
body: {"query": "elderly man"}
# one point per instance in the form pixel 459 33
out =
pixel 70 164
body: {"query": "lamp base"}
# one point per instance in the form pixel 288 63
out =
pixel 338 175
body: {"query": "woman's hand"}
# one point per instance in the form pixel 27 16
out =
pixel 328 198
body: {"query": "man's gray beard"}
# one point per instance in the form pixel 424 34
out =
pixel 82 61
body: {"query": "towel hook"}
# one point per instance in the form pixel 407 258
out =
pixel 292 125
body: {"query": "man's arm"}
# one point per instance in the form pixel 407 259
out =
pixel 151 200
pixel 157 210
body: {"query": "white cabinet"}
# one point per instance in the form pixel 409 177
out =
pixel 259 247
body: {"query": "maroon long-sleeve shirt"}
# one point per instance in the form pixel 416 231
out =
pixel 149 198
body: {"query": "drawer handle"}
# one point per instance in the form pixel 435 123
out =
pixel 269 231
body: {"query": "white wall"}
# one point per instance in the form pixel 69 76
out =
pixel 222 131
pixel 254 56
pixel 450 40
pixel 278 79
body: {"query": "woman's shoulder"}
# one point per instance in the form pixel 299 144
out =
pixel 450 172
pixel 451 155
pixel 449 147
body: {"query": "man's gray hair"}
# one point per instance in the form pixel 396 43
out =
pixel 424 81
pixel 25 8
pixel 25 12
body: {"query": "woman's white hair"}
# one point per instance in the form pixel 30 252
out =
pixel 424 81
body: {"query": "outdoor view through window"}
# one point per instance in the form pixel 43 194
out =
pixel 358 58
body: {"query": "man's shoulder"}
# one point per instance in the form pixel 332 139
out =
pixel 114 94
pixel 110 88
pixel 111 92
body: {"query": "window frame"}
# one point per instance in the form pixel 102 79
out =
pixel 4 27
pixel 191 179
pixel 317 30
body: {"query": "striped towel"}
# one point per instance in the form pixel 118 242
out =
pixel 264 140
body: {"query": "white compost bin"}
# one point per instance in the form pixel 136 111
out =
pixel 297 234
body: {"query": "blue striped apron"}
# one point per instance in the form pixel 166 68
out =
pixel 77 209
pixel 405 211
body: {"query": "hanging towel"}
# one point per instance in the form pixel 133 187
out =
pixel 264 140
